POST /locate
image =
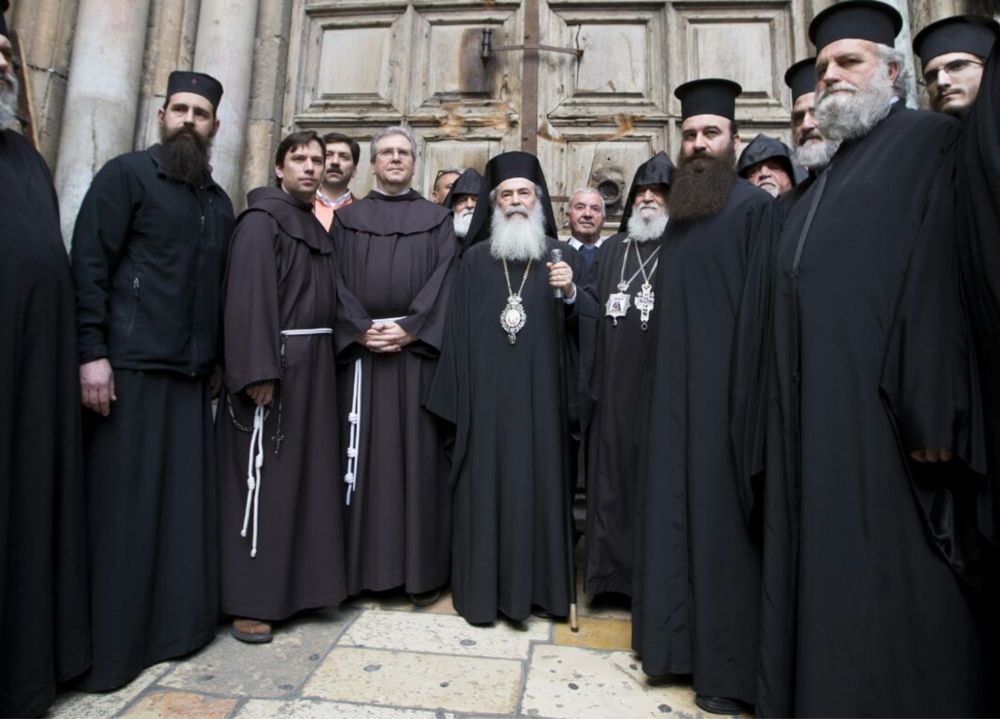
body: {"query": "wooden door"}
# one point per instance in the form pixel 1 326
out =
pixel 585 84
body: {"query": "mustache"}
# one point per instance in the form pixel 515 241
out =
pixel 842 86
pixel 810 135
pixel 511 211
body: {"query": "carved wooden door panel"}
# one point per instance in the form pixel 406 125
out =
pixel 585 84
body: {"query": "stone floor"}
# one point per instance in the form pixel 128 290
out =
pixel 383 659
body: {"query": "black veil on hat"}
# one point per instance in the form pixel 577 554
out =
pixel 858 20
pixel 801 78
pixel 468 183
pixel 711 96
pixel 961 33
pixel 763 148
pixel 4 5
pixel 657 170
pixel 503 167
pixel 197 82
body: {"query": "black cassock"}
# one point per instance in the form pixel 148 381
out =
pixel 44 618
pixel 978 198
pixel 395 257
pixel 865 346
pixel 621 352
pixel 697 570
pixel 509 405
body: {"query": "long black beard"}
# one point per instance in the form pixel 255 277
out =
pixel 184 155
pixel 701 185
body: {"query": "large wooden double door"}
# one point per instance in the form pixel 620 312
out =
pixel 585 84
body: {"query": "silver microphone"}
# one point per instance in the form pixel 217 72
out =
pixel 555 255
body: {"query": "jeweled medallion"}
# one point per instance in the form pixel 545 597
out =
pixel 617 306
pixel 513 318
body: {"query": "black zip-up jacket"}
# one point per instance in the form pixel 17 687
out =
pixel 148 257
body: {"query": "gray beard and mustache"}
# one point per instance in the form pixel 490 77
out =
pixel 517 235
pixel 462 221
pixel 701 185
pixel 184 155
pixel 644 229
pixel 853 113
pixel 816 155
pixel 8 101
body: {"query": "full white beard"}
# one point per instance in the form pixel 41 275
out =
pixel 518 238
pixel 643 229
pixel 845 116
pixel 462 222
pixel 815 155
pixel 8 103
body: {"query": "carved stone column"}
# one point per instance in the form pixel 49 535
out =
pixel 225 50
pixel 99 114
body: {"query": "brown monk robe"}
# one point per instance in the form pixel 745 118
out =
pixel 280 280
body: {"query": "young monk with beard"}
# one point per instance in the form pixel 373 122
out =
pixel 696 572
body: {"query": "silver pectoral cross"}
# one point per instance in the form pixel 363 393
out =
pixel 644 302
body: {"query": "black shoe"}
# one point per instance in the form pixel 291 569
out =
pixel 425 599
pixel 720 705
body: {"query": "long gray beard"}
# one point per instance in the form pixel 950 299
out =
pixel 816 155
pixel 8 103
pixel 642 229
pixel 461 223
pixel 518 238
pixel 848 116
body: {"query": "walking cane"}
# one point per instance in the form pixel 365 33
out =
pixel 555 255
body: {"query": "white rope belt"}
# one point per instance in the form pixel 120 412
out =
pixel 255 461
pixel 354 420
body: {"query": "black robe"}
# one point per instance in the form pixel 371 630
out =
pixel 395 257
pixel 978 198
pixel 44 618
pixel 621 353
pixel 509 405
pixel 866 351
pixel 697 570
pixel 281 276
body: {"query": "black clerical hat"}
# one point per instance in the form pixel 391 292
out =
pixel 4 4
pixel 856 19
pixel 962 33
pixel 506 166
pixel 468 183
pixel 801 77
pixel 763 148
pixel 708 97
pixel 197 82
pixel 657 170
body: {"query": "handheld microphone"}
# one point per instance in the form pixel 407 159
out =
pixel 555 255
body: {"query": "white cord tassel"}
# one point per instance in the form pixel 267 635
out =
pixel 354 419
pixel 254 464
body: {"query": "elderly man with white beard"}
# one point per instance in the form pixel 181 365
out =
pixel 623 280
pixel 872 553
pixel 505 382
pixel 812 150
pixel 461 200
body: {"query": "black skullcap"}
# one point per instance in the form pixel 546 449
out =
pixel 962 33
pixel 506 166
pixel 657 170
pixel 858 20
pixel 801 78
pixel 708 97
pixel 4 4
pixel 763 148
pixel 197 82
pixel 468 183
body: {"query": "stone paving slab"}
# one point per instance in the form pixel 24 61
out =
pixel 414 680
pixel 612 634
pixel 313 708
pixel 80 705
pixel 228 667
pixel 166 705
pixel 442 634
pixel 577 683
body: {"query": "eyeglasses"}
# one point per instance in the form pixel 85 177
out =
pixel 955 67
